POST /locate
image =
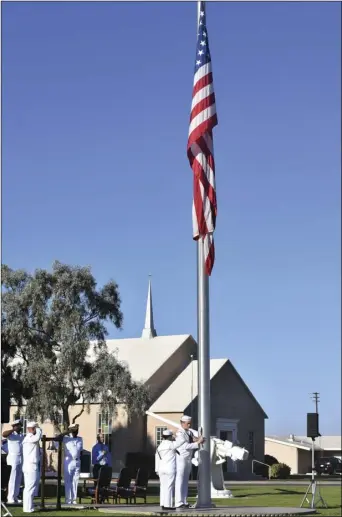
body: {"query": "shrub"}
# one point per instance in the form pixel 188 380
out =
pixel 270 460
pixel 280 471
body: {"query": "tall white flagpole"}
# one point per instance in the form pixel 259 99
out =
pixel 203 339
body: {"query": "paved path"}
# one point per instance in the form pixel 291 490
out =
pixel 231 483
pixel 299 482
pixel 220 511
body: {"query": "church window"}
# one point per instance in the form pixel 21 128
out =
pixel 104 426
pixel 159 434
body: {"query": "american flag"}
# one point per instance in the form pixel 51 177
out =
pixel 203 119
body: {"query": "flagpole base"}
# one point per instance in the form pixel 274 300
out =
pixel 203 505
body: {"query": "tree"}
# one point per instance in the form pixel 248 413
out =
pixel 54 326
pixel 11 374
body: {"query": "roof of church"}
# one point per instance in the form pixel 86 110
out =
pixel 182 391
pixel 145 356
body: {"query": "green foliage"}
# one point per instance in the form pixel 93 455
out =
pixel 280 471
pixel 49 320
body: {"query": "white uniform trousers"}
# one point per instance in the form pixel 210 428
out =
pixel 30 478
pixel 71 477
pixel 15 482
pixel 182 480
pixel 167 488
pixel 36 493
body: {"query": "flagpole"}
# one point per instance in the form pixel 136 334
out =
pixel 204 420
pixel 203 339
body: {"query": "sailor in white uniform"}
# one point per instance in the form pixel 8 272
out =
pixel 183 461
pixel 15 459
pixel 73 446
pixel 165 467
pixel 39 472
pixel 166 464
pixel 30 464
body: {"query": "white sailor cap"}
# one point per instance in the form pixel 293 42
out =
pixel 167 432
pixel 16 422
pixel 186 419
pixel 31 424
pixel 73 427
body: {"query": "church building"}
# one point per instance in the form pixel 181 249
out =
pixel 168 365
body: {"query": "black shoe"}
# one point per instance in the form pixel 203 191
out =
pixel 168 508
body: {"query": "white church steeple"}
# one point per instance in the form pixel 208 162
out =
pixel 149 331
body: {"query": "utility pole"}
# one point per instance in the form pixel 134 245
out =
pixel 315 398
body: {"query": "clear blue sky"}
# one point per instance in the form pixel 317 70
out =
pixel 96 101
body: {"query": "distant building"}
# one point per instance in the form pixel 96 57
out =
pixel 296 451
pixel 168 365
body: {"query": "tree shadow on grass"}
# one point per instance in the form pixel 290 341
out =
pixel 286 491
pixel 71 511
pixel 242 496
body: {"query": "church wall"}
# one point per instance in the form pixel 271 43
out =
pixel 153 423
pixel 230 400
pixel 127 436
pixel 285 454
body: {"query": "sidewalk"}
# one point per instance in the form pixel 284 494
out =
pixel 275 482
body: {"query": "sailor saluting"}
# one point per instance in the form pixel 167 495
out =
pixel 15 459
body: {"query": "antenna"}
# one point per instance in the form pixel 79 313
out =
pixel 315 398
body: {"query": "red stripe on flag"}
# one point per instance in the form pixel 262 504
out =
pixel 209 262
pixel 202 105
pixel 202 128
pixel 201 83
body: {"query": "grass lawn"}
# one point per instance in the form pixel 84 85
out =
pixel 243 496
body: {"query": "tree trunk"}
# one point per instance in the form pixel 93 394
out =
pixel 78 414
pixel 66 419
